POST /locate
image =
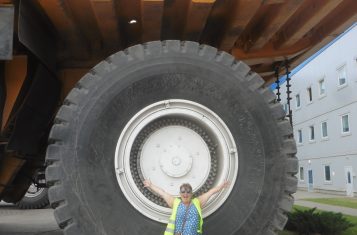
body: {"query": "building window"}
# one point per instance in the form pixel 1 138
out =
pixel 345 124
pixel 322 88
pixel 342 76
pixel 324 133
pixel 309 94
pixel 299 136
pixel 312 133
pixel 297 100
pixel 301 173
pixel 286 109
pixel 327 173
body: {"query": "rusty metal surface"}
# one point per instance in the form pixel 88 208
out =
pixel 6 31
pixel 3 94
pixel 262 33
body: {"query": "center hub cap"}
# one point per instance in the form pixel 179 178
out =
pixel 175 157
pixel 176 161
pixel 174 149
pixel 175 166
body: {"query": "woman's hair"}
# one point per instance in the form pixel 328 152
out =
pixel 186 186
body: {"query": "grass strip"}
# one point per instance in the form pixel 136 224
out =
pixel 345 202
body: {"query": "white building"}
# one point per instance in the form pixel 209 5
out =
pixel 324 105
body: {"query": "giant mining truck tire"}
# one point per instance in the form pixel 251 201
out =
pixel 172 112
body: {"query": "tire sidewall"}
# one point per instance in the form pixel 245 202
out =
pixel 37 202
pixel 122 92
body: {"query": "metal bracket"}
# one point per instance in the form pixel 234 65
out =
pixel 6 31
pixel 36 35
pixel 167 104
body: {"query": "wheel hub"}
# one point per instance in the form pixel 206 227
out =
pixel 172 146
pixel 175 166
pixel 173 142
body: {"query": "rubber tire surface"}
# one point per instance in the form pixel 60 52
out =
pixel 38 202
pixel 85 190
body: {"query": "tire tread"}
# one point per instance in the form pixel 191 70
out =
pixel 59 135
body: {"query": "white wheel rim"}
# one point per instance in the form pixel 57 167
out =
pixel 33 191
pixel 173 142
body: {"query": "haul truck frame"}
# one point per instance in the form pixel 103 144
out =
pixel 179 92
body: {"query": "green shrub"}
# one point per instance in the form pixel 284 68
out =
pixel 332 223
pixel 307 222
pixel 302 221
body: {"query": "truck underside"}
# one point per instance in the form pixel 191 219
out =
pixel 47 46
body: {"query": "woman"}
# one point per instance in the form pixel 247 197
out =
pixel 186 217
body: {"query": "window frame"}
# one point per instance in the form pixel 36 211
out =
pixel 348 122
pixel 309 94
pixel 330 175
pixel 297 99
pixel 301 174
pixel 322 131
pixel 286 108
pixel 312 133
pixel 300 137
pixel 339 69
pixel 322 81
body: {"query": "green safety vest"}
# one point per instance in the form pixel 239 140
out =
pixel 170 229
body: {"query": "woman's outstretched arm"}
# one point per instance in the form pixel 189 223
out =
pixel 204 197
pixel 169 199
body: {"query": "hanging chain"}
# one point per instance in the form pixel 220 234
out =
pixel 277 84
pixel 288 92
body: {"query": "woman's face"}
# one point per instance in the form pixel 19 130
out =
pixel 186 195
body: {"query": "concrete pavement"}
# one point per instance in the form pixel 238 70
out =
pixel 14 221
pixel 304 194
pixel 301 195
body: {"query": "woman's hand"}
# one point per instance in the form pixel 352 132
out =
pixel 225 184
pixel 204 197
pixel 147 183
pixel 169 199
